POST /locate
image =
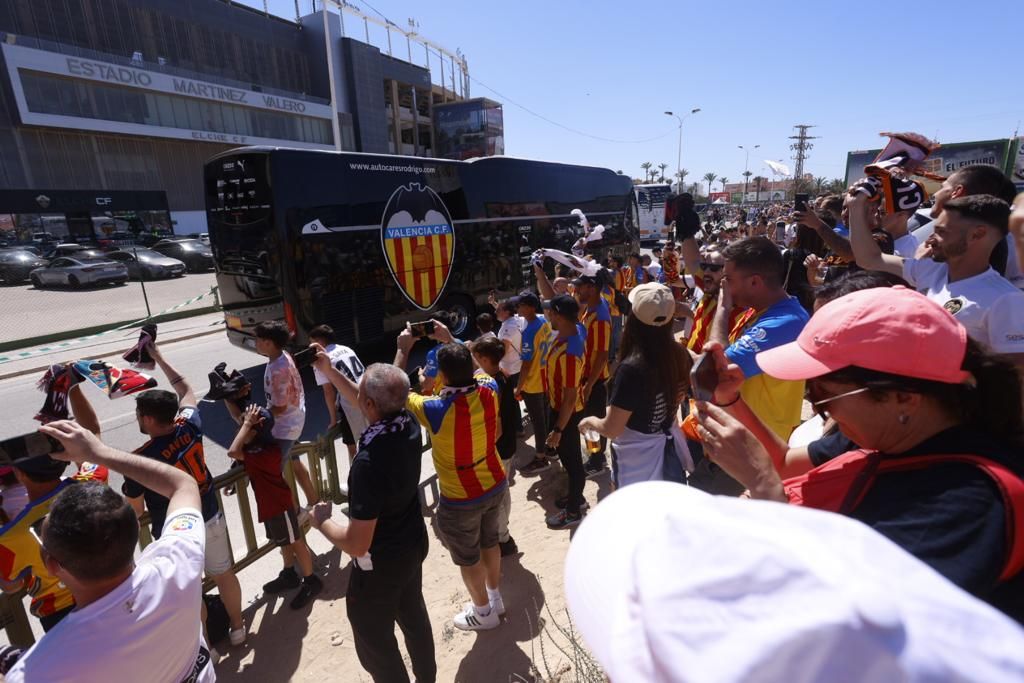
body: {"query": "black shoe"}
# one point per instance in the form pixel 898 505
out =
pixel 285 581
pixel 509 547
pixel 311 587
pixel 563 502
pixel 594 466
pixel 535 467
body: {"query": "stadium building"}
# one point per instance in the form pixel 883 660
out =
pixel 108 108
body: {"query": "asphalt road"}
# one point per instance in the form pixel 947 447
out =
pixel 27 312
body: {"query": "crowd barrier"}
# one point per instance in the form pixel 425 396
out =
pixel 321 459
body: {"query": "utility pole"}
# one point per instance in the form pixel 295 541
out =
pixel 800 148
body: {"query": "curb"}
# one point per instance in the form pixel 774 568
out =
pixel 41 368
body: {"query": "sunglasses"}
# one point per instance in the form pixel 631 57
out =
pixel 823 412
pixel 712 267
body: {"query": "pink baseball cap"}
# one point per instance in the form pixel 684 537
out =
pixel 886 329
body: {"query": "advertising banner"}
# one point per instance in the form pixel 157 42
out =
pixel 945 160
pixel 715 196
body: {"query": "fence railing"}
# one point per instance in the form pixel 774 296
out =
pixel 321 459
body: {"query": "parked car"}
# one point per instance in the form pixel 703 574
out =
pixel 146 263
pixel 148 239
pixel 196 256
pixel 16 264
pixel 79 271
pixel 71 249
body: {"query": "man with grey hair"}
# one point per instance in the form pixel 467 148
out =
pixel 385 536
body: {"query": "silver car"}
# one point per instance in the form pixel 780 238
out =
pixel 147 264
pixel 79 272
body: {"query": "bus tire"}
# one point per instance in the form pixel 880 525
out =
pixel 465 313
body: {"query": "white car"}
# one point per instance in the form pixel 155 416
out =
pixel 79 272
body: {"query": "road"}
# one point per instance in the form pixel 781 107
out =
pixel 27 312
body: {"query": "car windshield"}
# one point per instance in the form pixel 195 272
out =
pixel 143 254
pixel 14 255
pixel 89 260
pixel 192 245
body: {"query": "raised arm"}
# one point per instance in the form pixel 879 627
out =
pixel 719 332
pixel 543 284
pixel 181 386
pixel 839 245
pixel 82 410
pixel 346 387
pixel 866 250
pixel 82 445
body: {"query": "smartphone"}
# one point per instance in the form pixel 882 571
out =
pixel 780 232
pixel 422 329
pixel 800 201
pixel 704 377
pixel 30 445
pixel 414 378
pixel 304 358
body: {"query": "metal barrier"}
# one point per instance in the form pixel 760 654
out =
pixel 321 458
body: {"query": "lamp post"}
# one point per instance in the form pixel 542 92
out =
pixel 679 154
pixel 746 168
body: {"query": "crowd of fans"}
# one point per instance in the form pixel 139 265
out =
pixel 695 366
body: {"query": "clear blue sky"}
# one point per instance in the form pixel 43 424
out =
pixel 754 68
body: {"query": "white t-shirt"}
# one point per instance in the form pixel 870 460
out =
pixel 148 628
pixel 347 363
pixel 283 386
pixel 987 304
pixel 512 331
pixel 905 246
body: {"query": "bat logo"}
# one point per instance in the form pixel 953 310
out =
pixel 418 240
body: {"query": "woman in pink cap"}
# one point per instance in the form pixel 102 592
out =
pixel 940 423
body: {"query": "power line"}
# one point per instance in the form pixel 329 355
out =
pixel 563 126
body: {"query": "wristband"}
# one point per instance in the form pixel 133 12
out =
pixel 726 405
pixel 556 429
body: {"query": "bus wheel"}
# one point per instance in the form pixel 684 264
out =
pixel 464 311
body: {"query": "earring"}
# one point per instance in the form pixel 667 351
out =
pixel 904 418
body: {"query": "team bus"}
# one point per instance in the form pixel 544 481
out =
pixel 366 242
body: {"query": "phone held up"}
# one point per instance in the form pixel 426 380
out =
pixel 422 329
pixel 704 377
pixel 27 446
pixel 304 358
pixel 800 201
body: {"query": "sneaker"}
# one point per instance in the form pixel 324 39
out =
pixel 563 520
pixel 509 547
pixel 469 620
pixel 311 587
pixel 593 467
pixel 551 454
pixel 215 656
pixel 286 580
pixel 237 635
pixel 563 502
pixel 535 467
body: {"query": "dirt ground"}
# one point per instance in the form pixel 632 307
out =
pixel 316 644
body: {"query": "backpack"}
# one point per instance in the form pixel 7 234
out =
pixel 217 620
pixel 841 484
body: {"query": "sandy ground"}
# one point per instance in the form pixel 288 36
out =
pixel 316 644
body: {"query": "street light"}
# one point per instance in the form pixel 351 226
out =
pixel 746 168
pixel 679 154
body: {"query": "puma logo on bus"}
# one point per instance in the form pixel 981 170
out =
pixel 418 240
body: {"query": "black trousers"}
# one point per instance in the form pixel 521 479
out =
pixel 538 409
pixel 392 592
pixel 597 405
pixel 570 456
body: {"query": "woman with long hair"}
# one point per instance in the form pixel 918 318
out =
pixel 646 389
pixel 937 417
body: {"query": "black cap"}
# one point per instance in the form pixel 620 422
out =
pixel 587 280
pixel 41 466
pixel 564 305
pixel 530 299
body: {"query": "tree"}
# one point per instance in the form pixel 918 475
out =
pixel 709 178
pixel 681 177
pixel 837 186
pixel 759 182
pixel 820 183
pixel 647 170
pixel 662 167
pixel 724 182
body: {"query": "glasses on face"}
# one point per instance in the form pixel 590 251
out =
pixel 823 412
pixel 712 267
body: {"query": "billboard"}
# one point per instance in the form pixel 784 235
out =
pixel 650 205
pixel 945 160
pixel 1017 174
pixel 715 196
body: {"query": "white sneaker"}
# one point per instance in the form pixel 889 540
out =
pixel 237 635
pixel 469 620
pixel 498 605
pixel 215 656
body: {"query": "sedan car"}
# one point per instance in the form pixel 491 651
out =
pixel 16 264
pixel 147 264
pixel 79 272
pixel 73 250
pixel 196 256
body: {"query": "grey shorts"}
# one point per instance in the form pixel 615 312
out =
pixel 465 529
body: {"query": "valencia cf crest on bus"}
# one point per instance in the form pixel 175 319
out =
pixel 418 239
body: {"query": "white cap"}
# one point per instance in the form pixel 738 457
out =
pixel 667 583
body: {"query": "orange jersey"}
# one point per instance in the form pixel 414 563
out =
pixel 564 369
pixel 598 324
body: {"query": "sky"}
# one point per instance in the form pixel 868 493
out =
pixel 610 70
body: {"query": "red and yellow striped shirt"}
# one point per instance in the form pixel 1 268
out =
pixel 598 324
pixel 704 315
pixel 564 369
pixel 463 424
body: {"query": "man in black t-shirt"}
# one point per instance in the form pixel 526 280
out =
pixel 386 536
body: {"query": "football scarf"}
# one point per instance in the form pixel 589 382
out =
pixel 56 383
pixel 578 264
pixel 114 382
pixel 138 356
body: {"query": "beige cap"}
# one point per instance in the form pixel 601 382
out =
pixel 653 304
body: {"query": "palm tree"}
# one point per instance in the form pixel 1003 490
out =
pixel 820 182
pixel 681 177
pixel 746 181
pixel 724 182
pixel 837 186
pixel 662 167
pixel 759 183
pixel 709 178
pixel 647 170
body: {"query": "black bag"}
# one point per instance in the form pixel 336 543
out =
pixel 622 303
pixel 671 467
pixel 217 620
